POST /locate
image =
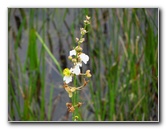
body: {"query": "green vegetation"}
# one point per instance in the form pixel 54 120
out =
pixel 123 48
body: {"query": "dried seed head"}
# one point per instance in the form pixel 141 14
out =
pixel 79 104
pixel 71 109
pixel 86 22
pixel 85 82
pixel 65 85
pixel 68 105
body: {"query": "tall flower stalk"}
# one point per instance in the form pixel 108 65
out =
pixel 77 57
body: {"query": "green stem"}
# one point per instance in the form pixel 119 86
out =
pixel 75 100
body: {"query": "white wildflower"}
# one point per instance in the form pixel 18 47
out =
pixel 84 58
pixel 67 79
pixel 67 75
pixel 72 53
pixel 76 70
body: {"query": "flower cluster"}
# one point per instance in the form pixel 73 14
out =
pixel 77 57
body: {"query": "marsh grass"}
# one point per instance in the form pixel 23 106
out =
pixel 123 48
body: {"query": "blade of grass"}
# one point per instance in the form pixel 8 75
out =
pixel 49 52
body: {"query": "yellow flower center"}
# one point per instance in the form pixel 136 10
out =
pixel 66 72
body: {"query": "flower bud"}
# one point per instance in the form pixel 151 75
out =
pixel 87 18
pixel 78 49
pixel 70 57
pixel 88 73
pixel 74 60
pixel 82 40
pixel 83 31
pixel 77 39
pixel 76 117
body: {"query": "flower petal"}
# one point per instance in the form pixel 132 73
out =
pixel 84 58
pixel 76 70
pixel 67 79
pixel 79 64
pixel 72 53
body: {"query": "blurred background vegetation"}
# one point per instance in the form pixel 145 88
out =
pixel 123 48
